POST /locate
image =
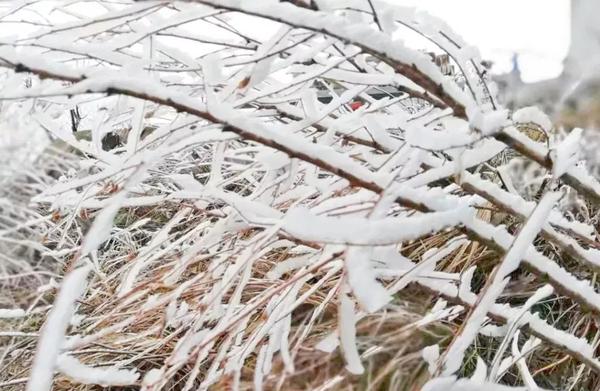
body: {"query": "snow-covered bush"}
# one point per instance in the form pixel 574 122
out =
pixel 264 194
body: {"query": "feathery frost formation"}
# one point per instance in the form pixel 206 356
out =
pixel 282 194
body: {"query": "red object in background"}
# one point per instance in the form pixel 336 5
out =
pixel 356 105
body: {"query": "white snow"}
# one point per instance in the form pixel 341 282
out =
pixel 519 356
pixel 301 224
pixel 347 331
pixel 490 122
pixel 11 313
pixel 533 114
pixel 328 344
pixel 103 224
pixel 360 33
pixel 151 378
pixel 357 184
pixel 430 355
pixel 103 376
pixel 53 331
pixel 513 324
pixel 510 262
pixel 451 383
pixel 480 373
pixel 371 295
pixel 566 154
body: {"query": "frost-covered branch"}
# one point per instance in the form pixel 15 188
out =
pixel 235 195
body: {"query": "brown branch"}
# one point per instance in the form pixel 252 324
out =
pixel 375 17
pixel 414 74
pixel 353 178
pixel 500 318
pixel 409 70
pixel 550 234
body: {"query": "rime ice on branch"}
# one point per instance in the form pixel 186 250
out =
pixel 247 200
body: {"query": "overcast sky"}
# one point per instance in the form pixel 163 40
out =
pixel 539 30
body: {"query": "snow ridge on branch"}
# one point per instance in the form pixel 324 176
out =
pixel 233 204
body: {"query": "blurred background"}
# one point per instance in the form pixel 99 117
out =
pixel 543 53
